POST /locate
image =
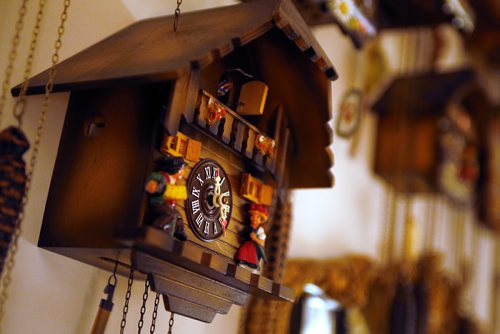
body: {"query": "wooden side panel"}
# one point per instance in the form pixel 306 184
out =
pixel 406 151
pixel 98 180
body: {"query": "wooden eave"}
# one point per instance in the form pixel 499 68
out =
pixel 394 14
pixel 150 51
pixel 421 93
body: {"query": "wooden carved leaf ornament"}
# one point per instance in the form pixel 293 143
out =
pixel 216 112
pixel 13 144
pixel 265 145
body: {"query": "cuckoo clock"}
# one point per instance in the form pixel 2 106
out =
pixel 354 17
pixel 393 14
pixel 410 113
pixel 238 97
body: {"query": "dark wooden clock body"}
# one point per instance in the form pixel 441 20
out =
pixel 121 105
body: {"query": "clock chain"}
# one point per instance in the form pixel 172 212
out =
pixel 6 277
pixel 20 105
pixel 127 300
pixel 155 314
pixel 171 323
pixel 143 307
pixel 177 14
pixel 12 55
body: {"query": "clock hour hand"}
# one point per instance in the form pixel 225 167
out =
pixel 219 202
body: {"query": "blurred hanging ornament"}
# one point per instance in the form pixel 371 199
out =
pixel 349 115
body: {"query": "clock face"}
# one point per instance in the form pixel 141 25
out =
pixel 209 203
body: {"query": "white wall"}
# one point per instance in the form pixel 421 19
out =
pixel 54 294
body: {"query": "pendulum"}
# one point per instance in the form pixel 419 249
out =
pixel 13 144
pixel 105 306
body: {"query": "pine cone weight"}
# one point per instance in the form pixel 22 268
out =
pixel 13 144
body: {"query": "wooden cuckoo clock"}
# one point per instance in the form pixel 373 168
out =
pixel 162 134
pixel 409 112
pixel 354 17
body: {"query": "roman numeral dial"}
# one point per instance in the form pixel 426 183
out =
pixel 209 203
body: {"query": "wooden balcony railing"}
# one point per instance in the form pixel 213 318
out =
pixel 235 132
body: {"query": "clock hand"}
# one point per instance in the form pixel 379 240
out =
pixel 219 202
pixel 217 191
pixel 224 210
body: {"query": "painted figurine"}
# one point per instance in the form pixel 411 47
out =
pixel 252 251
pixel 164 192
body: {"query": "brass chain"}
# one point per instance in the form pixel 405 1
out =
pixel 143 307
pixel 12 55
pixel 155 314
pixel 171 323
pixel 20 105
pixel 127 300
pixel 6 279
pixel 177 14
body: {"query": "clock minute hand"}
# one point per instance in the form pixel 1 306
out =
pixel 217 191
pixel 219 202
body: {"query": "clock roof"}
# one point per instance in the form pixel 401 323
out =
pixel 426 92
pixel 149 51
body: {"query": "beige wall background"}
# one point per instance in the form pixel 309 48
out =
pixel 54 294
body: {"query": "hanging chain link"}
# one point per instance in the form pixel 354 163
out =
pixel 12 55
pixel 143 307
pixel 112 279
pixel 177 14
pixel 171 323
pixel 6 279
pixel 127 300
pixel 155 314
pixel 20 106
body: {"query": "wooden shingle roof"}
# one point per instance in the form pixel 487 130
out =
pixel 150 51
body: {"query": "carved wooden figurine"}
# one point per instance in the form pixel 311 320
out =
pixel 252 251
pixel 164 192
